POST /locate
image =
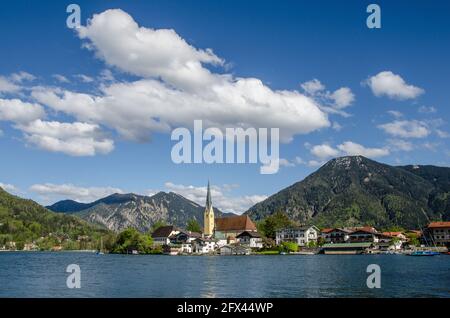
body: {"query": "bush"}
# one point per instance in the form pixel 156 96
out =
pixel 130 239
pixel 288 247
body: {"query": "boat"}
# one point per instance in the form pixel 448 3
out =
pixel 423 253
pixel 100 251
pixel 426 252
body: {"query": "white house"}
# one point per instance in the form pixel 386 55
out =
pixel 186 248
pixel 203 246
pixel 251 239
pixel 163 234
pixel 300 235
pixel 234 249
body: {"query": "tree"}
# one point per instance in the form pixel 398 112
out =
pixel 157 225
pixel 414 241
pixel 130 239
pixel 194 226
pixel 320 241
pixel 273 223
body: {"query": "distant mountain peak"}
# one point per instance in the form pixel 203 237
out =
pixel 118 211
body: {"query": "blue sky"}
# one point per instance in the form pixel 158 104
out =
pixel 75 113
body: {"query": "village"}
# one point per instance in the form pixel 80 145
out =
pixel 238 235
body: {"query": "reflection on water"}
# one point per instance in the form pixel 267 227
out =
pixel 43 275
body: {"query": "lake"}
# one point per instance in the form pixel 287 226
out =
pixel 43 274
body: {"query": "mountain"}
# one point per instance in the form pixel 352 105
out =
pixel 119 211
pixel 24 221
pixel 354 190
pixel 71 206
pixel 440 178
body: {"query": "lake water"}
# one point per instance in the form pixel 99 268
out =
pixel 42 274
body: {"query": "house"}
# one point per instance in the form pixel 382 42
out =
pixel 398 235
pixel 30 247
pixel 364 234
pixel 172 249
pixel 394 240
pixel 335 235
pixel 203 246
pixel 347 248
pixel 301 235
pixel 439 233
pixel 251 239
pixel 389 242
pixel 234 249
pixel 162 235
pixel 183 237
pixel 227 228
pixel 186 248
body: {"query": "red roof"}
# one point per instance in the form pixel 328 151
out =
pixel 328 230
pixel 438 224
pixel 235 223
pixel 392 233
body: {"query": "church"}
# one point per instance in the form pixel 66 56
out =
pixel 224 228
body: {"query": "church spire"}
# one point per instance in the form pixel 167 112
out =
pixel 208 198
pixel 208 216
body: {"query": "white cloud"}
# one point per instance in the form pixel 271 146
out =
pixel 324 151
pixel 19 112
pixel 84 78
pixel 285 163
pixel 433 146
pixel 7 86
pixel 348 148
pixel 106 76
pixel 22 76
pixel 176 88
pixel 51 193
pixel 312 87
pixel 336 126
pixel 61 78
pixel 119 41
pixel 342 97
pixel 9 187
pixel 315 163
pixel 400 145
pixel 221 197
pixel 406 129
pixel 299 161
pixel 393 86
pixel 352 149
pixel 75 139
pixel 442 133
pixel 395 113
pixel 337 100
pixel 427 110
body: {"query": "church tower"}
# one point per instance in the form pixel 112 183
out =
pixel 208 216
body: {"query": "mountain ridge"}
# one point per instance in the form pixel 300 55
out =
pixel 119 211
pixel 355 190
pixel 25 221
